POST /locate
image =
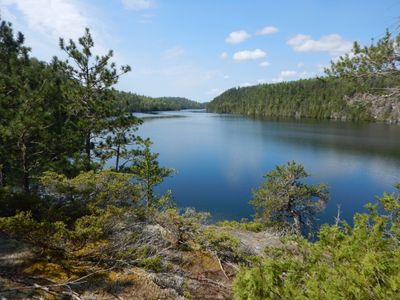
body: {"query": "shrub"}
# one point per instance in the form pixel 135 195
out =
pixel 359 262
pixel 244 224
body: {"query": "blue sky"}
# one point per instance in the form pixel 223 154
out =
pixel 198 49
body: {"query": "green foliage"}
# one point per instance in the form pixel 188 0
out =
pixel 283 198
pixel 33 115
pixel 380 59
pixel 57 116
pixel 244 224
pixel 90 96
pixel 219 241
pixel 359 262
pixel 153 263
pixel 44 235
pixel 74 212
pixel 13 202
pixel 96 226
pixel 116 141
pixel 130 102
pixel 148 172
pixel 317 98
pixel 372 70
pixel 92 189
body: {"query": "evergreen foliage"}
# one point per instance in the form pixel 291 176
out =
pixel 285 200
pixel 148 172
pixel 60 122
pixel 380 59
pixel 370 70
pixel 347 262
pixel 131 102
pixel 89 93
pixel 317 98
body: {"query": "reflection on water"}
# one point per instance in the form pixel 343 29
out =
pixel 221 158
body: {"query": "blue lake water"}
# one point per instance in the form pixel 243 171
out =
pixel 220 158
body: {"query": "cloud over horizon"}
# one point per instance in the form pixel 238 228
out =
pixel 334 44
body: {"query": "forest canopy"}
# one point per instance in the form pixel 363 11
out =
pixel 361 86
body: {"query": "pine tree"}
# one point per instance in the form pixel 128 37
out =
pixel 89 91
pixel 283 198
pixel 147 170
pixel 380 59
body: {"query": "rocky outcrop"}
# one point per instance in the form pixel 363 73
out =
pixel 381 108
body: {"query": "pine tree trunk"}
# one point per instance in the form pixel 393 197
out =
pixel 25 168
pixel 88 149
pixel 1 175
pixel 297 222
pixel 117 159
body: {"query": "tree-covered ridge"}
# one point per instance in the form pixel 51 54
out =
pixel 132 102
pixel 361 86
pixel 317 98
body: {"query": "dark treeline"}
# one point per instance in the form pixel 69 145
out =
pixel 318 98
pixel 138 103
pixel 58 116
pixel 73 101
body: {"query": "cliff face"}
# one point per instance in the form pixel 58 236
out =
pixel 382 108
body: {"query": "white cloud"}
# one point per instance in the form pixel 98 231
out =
pixel 300 64
pixel 226 77
pixel 59 18
pixel 267 30
pixel 174 53
pixel 288 74
pixel 249 55
pixel 138 4
pixel 334 44
pixel 292 75
pixel 265 64
pixel 237 37
pixel 45 21
pixel 224 55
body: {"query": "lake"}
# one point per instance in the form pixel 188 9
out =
pixel 220 158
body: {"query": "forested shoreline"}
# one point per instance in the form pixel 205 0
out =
pixel 138 103
pixel 316 98
pixel 363 86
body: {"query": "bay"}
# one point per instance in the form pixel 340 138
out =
pixel 220 158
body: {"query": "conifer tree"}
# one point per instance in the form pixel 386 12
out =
pixel 283 198
pixel 380 59
pixel 90 94
pixel 147 170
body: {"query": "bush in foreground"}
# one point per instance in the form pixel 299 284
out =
pixel 347 262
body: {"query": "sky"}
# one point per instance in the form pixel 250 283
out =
pixel 198 49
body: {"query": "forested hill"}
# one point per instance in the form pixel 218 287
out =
pixel 138 103
pixel 318 98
